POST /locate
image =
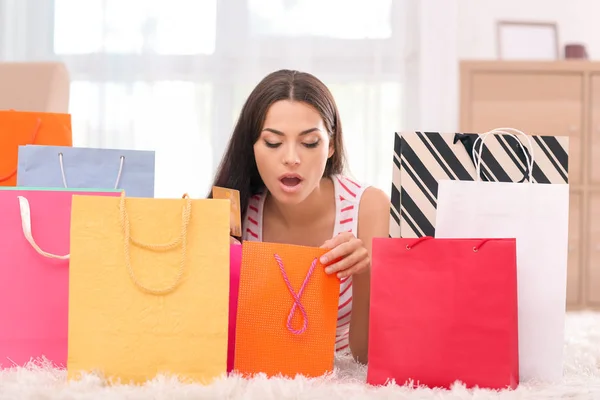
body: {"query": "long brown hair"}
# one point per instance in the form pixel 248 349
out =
pixel 237 169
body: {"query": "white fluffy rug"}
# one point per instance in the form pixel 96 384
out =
pixel 581 381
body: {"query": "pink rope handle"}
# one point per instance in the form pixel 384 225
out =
pixel 424 238
pixel 297 303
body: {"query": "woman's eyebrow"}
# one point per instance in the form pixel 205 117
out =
pixel 304 132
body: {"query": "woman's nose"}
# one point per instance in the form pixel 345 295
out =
pixel 291 156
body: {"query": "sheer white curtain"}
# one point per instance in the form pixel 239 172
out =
pixel 171 75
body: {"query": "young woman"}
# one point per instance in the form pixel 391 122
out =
pixel 286 158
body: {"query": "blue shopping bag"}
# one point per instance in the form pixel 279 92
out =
pixel 80 167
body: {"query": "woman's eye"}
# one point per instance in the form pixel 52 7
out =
pixel 311 145
pixel 272 145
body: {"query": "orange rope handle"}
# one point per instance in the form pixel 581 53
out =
pixel 181 240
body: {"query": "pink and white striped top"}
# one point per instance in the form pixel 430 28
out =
pixel 347 200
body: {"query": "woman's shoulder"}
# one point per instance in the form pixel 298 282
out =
pixel 369 204
pixel 348 180
pixel 348 188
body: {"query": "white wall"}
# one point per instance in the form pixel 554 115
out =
pixel 577 21
pixel 448 31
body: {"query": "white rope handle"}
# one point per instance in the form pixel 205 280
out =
pixel 26 224
pixel 529 159
pixel 64 179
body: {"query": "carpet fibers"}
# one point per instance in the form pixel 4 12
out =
pixel 581 381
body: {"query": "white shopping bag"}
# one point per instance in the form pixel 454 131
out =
pixel 537 215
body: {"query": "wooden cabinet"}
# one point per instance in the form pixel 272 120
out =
pixel 595 129
pixel 531 102
pixel 550 98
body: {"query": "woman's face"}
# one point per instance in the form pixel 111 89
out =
pixel 292 150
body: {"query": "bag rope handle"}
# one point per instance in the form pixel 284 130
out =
pixel 26 225
pixel 64 179
pixel 512 132
pixel 36 130
pixel 180 240
pixel 297 303
pixel 476 248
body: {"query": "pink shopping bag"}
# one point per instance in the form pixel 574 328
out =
pixel 34 273
pixel 235 262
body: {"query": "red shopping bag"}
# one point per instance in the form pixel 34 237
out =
pixel 444 310
pixel 235 263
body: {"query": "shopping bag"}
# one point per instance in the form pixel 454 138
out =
pixel 287 311
pixel 34 274
pixel 444 310
pixel 537 215
pixel 234 197
pixel 235 263
pixel 422 159
pixel 19 128
pixel 149 288
pixel 79 167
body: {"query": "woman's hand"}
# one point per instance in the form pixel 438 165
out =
pixel 348 255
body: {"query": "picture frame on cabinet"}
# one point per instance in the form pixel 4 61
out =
pixel 527 40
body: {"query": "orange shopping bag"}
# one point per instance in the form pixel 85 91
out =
pixel 20 128
pixel 287 311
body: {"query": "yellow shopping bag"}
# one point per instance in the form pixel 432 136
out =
pixel 149 288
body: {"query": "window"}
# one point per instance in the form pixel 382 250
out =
pixel 164 116
pixel 369 124
pixel 338 19
pixel 135 26
pixel 172 75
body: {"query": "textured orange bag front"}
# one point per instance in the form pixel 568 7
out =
pixel 268 340
pixel 20 128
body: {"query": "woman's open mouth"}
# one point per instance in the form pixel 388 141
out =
pixel 290 183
